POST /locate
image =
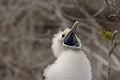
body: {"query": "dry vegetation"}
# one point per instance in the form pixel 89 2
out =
pixel 27 27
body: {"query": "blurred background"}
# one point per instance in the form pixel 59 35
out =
pixel 27 28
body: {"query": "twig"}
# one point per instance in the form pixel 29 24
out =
pixel 110 53
pixel 114 12
pixel 108 5
pixel 99 11
pixel 114 43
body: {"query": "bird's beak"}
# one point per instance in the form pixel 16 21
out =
pixel 70 39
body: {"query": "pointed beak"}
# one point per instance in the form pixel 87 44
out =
pixel 70 39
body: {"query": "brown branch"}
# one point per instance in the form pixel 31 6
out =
pixel 108 5
pixel 114 43
pixel 114 12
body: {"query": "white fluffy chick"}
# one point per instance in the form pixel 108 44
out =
pixel 71 63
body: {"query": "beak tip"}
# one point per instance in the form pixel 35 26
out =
pixel 73 29
pixel 76 22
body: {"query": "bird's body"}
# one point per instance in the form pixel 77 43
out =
pixel 71 64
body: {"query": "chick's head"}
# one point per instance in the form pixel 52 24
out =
pixel 66 39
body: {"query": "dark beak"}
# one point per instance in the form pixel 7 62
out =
pixel 70 39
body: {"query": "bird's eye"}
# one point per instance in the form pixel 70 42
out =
pixel 63 35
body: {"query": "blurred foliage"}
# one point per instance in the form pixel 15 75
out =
pixel 106 35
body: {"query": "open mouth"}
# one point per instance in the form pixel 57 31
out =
pixel 71 39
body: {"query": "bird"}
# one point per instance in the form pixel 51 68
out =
pixel 71 61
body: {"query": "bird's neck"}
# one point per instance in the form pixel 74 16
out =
pixel 74 50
